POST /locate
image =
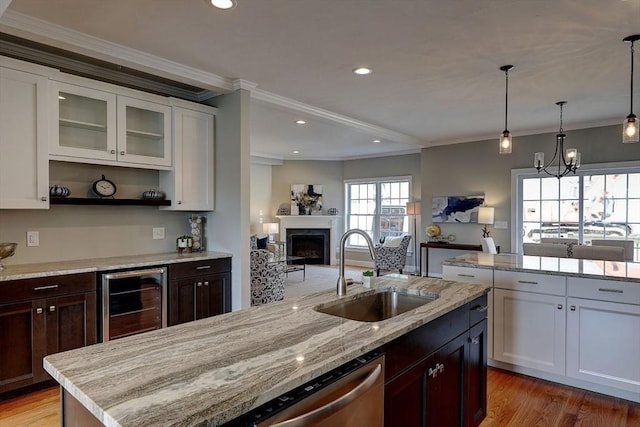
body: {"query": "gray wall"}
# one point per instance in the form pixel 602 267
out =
pixel 77 232
pixel 476 168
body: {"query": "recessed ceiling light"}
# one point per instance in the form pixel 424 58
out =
pixel 61 97
pixel 223 4
pixel 301 122
pixel 295 152
pixel 376 141
pixel 362 71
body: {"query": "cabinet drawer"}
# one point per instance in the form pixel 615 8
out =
pixel 44 287
pixel 199 268
pixel 604 290
pixel 478 310
pixel 530 282
pixel 482 276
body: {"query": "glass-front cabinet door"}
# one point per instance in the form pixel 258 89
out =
pixel 86 123
pixel 144 132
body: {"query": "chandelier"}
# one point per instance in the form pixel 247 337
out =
pixel 569 160
pixel 505 137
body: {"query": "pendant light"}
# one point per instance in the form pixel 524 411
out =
pixel 505 137
pixel 570 159
pixel 631 125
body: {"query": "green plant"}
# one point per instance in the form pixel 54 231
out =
pixel 367 273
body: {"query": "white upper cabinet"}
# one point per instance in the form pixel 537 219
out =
pixel 190 185
pixel 24 163
pixel 92 125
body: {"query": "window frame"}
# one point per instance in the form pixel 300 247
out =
pixel 518 175
pixel 376 221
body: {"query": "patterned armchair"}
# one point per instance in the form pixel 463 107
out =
pixel 392 258
pixel 267 278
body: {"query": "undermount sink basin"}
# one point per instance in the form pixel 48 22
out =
pixel 376 305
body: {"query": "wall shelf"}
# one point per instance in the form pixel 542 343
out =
pixel 108 202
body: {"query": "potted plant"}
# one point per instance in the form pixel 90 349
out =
pixel 367 278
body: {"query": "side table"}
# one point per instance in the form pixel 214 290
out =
pixel 441 245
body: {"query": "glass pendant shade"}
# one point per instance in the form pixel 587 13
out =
pixel 538 161
pixel 505 142
pixel 630 131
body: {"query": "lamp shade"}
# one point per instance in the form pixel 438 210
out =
pixel 270 228
pixel 414 208
pixel 485 215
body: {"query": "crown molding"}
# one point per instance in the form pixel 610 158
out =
pixel 4 4
pixel 244 84
pixel 16 23
pixel 291 104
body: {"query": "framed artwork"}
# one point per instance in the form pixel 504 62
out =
pixel 456 208
pixel 306 199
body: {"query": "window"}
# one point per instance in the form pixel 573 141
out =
pixel 377 206
pixel 597 203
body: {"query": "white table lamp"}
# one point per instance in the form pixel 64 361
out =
pixel 485 216
pixel 270 228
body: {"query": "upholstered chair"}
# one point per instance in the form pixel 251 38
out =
pixel 391 257
pixel 626 244
pixel 267 277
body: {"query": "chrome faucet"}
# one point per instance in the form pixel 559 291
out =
pixel 342 282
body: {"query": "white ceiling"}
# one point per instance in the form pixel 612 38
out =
pixel 436 77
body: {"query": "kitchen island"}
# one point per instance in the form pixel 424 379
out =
pixel 572 321
pixel 216 369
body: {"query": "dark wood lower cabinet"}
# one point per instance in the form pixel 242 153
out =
pixel 199 289
pixel 442 386
pixel 30 329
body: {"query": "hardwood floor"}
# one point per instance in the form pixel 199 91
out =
pixel 514 400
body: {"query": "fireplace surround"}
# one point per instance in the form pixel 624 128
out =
pixel 307 225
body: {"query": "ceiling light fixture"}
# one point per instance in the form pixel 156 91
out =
pixel 223 4
pixel 376 141
pixel 362 71
pixel 630 127
pixel 505 138
pixel 301 122
pixel 570 160
pixel 295 152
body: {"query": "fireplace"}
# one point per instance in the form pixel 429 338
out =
pixel 326 224
pixel 311 243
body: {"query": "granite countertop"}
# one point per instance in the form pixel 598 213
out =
pixel 594 269
pixel 47 269
pixel 215 369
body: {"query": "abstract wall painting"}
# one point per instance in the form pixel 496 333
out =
pixel 306 199
pixel 461 209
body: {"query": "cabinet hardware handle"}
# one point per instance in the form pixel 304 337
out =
pixel 199 284
pixel 203 267
pixel 527 282
pixel 44 199
pixel 44 288
pixel 572 308
pixel 179 202
pixel 206 283
pixel 52 308
pixel 122 153
pixel 480 308
pixel 615 291
pixel 466 275
pixel 113 151
pixel 559 306
pixel 440 368
pixel 433 372
pixel 39 310
pixel 475 340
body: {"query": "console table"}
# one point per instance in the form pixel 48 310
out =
pixel 444 245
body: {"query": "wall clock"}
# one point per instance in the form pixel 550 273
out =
pixel 104 187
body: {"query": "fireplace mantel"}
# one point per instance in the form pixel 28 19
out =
pixel 312 221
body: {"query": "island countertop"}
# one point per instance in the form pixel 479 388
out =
pixel 216 369
pixel 593 269
pixel 90 265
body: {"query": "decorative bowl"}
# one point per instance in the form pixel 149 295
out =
pixel 6 250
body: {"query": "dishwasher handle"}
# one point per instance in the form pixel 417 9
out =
pixel 331 407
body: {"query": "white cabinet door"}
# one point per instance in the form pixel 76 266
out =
pixel 483 276
pixel 190 185
pixel 603 343
pixel 84 125
pixel 24 162
pixel 529 330
pixel 144 132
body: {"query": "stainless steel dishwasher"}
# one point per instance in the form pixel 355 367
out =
pixel 351 395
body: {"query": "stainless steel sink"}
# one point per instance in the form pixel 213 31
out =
pixel 376 305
